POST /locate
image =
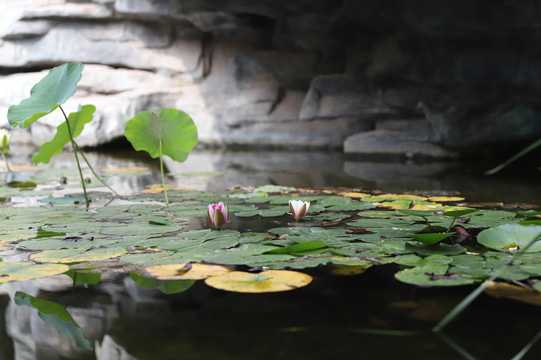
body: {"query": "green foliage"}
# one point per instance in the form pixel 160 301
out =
pixel 77 121
pixel 173 128
pixel 48 94
pixel 55 315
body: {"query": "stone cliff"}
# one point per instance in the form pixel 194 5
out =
pixel 408 77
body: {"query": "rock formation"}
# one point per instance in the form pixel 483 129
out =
pixel 411 77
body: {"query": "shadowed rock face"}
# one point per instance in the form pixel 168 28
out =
pixel 309 73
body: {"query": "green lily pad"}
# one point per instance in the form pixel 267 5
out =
pixel 430 238
pixel 499 237
pixel 433 275
pixel 49 93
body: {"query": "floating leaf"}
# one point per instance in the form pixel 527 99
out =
pixel 49 93
pixel 430 238
pixel 173 128
pixel 55 315
pixel 179 271
pixel 77 121
pixel 19 271
pixel 445 198
pixel 432 275
pixel 266 281
pixel 499 237
pixel 301 247
pixel 76 255
pixel 458 213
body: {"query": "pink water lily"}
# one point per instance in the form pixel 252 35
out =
pixel 298 208
pixel 217 214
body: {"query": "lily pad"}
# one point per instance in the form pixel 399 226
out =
pixel 266 281
pixel 186 271
pixel 499 237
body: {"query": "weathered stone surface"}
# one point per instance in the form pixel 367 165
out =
pixel 252 73
pixel 395 144
pixel 322 134
pixel 332 96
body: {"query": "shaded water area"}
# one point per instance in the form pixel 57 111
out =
pixel 370 315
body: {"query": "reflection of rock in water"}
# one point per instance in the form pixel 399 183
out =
pixel 398 177
pixel 243 168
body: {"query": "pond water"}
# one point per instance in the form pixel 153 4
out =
pixel 370 315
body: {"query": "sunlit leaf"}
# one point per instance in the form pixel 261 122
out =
pixel 55 315
pixel 77 121
pixel 19 271
pixel 50 92
pixel 173 128
pixel 266 281
pixel 184 272
pixel 76 255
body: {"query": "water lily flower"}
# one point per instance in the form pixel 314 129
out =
pixel 217 214
pixel 298 208
pixel 5 139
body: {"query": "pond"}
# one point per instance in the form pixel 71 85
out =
pixel 366 313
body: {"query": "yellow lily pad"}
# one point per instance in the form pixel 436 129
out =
pixel 266 281
pixel 407 204
pixel 186 271
pixel 356 195
pixel 14 235
pixel 446 198
pixel 158 188
pixel 392 197
pixel 77 255
pixel 515 292
pixel 27 271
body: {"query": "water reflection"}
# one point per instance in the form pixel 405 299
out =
pixel 321 321
pixel 326 320
pixel 218 170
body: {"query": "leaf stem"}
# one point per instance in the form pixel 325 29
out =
pixel 92 169
pixel 76 157
pixel 5 160
pixel 475 293
pixel 163 177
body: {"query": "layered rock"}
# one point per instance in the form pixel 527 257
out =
pixel 315 74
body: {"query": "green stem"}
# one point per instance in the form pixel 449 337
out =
pixel 5 160
pixel 514 158
pixel 474 294
pixel 450 226
pixel 428 223
pixel 76 157
pixel 92 169
pixel 163 177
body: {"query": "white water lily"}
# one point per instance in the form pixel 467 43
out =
pixel 298 208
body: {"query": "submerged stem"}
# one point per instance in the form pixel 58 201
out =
pixel 92 169
pixel 76 157
pixel 475 293
pixel 163 177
